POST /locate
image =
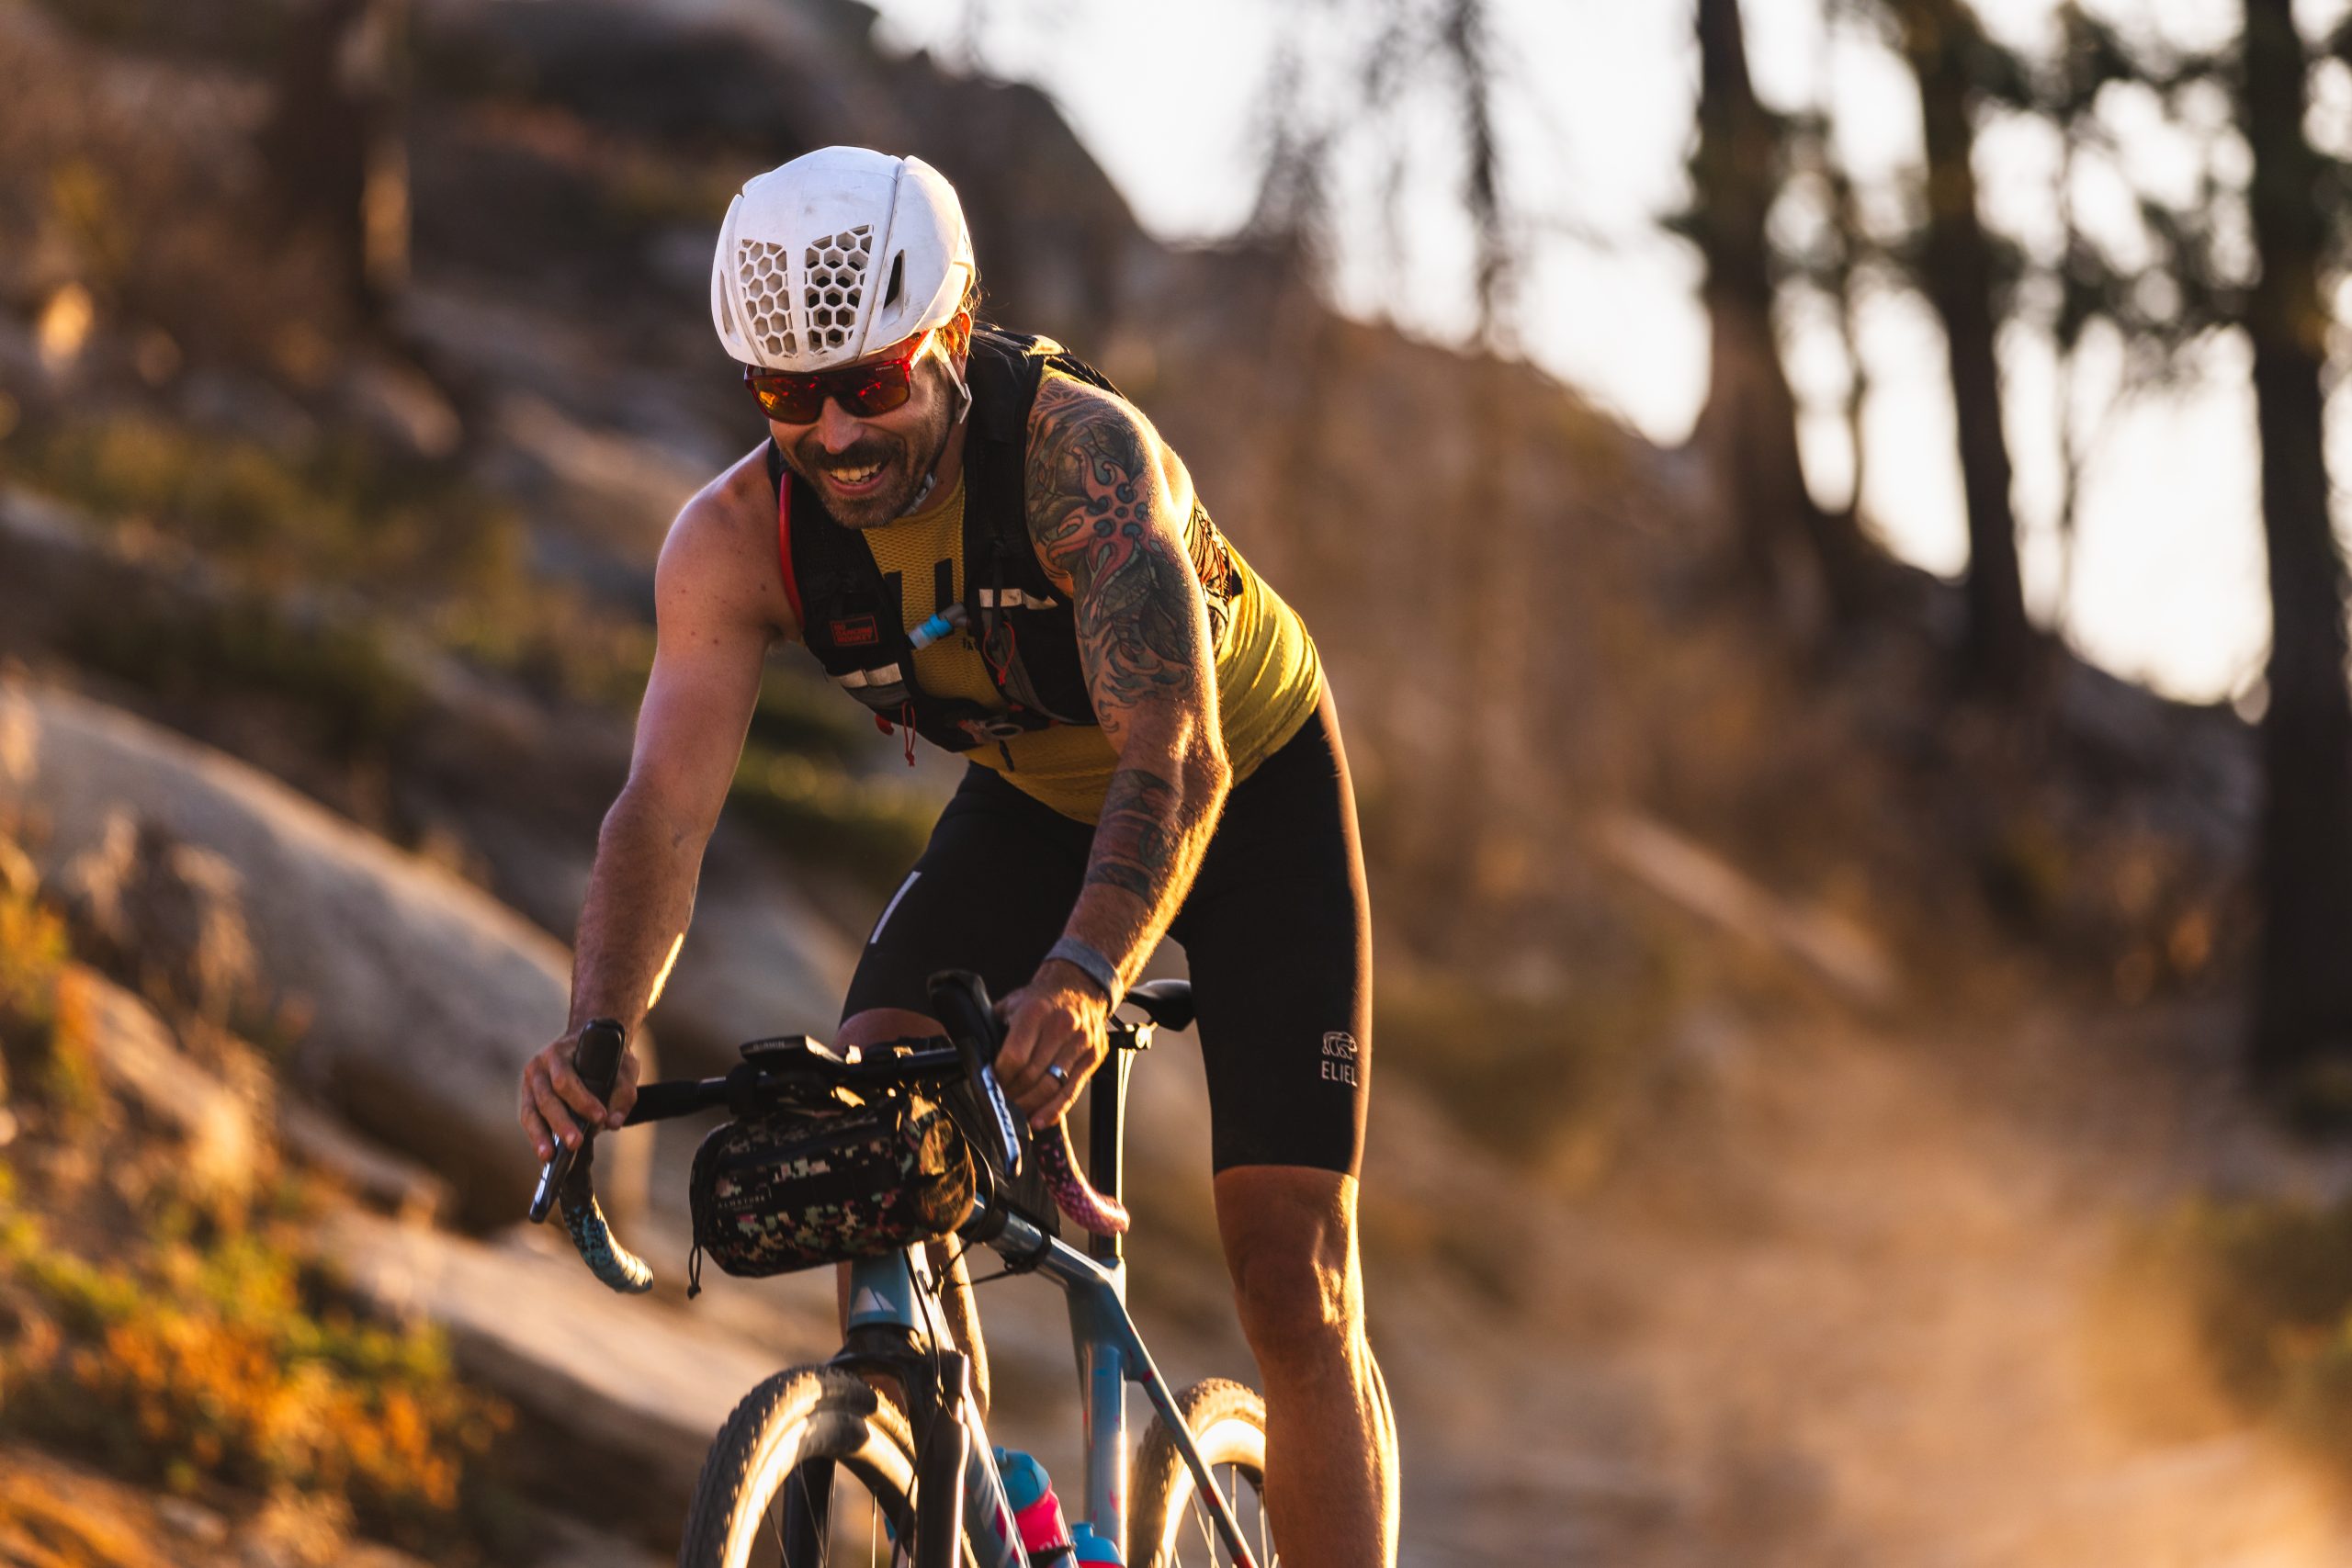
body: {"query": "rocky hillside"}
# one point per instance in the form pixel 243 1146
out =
pixel 1830 1041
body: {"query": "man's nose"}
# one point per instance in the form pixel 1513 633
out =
pixel 837 429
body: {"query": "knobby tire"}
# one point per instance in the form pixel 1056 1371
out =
pixel 1168 1529
pixel 785 1440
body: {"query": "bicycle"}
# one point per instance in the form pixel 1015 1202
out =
pixel 813 1438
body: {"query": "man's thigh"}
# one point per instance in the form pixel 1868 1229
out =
pixel 1278 933
pixel 991 893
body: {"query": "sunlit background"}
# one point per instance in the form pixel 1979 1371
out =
pixel 1856 1080
pixel 2166 580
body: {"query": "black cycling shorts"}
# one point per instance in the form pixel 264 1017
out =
pixel 1277 928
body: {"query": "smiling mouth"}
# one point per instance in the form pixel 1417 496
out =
pixel 854 476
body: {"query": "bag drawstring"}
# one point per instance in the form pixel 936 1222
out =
pixel 906 721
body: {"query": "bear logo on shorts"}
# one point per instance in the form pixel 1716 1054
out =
pixel 1340 1058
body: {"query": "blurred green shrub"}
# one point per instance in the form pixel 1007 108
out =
pixel 228 1360
pixel 339 673
pixel 2268 1287
pixel 33 953
pixel 332 510
pixel 405 538
pixel 550 638
pixel 802 713
pixel 1539 1080
pixel 817 810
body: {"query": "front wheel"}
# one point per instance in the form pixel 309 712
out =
pixel 813 1470
pixel 1172 1525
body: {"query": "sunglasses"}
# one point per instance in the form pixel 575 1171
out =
pixel 864 389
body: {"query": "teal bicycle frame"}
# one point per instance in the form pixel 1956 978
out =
pixel 892 1324
pixel 892 1294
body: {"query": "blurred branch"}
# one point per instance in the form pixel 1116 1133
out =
pixel 1464 36
pixel 1398 48
pixel 1807 564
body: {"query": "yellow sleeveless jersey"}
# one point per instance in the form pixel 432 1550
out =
pixel 1268 675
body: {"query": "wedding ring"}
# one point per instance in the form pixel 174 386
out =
pixel 1056 1072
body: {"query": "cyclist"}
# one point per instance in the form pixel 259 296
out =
pixel 994 551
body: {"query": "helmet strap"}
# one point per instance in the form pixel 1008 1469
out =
pixel 963 411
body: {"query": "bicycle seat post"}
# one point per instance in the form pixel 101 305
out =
pixel 1106 1143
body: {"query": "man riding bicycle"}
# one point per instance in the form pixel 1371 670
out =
pixel 985 544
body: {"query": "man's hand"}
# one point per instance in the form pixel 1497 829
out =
pixel 1055 1021
pixel 555 1104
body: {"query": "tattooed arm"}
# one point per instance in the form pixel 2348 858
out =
pixel 1107 506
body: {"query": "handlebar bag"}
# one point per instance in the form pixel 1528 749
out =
pixel 828 1182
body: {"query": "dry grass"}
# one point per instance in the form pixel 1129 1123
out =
pixel 2268 1291
pixel 221 1360
pixel 187 1343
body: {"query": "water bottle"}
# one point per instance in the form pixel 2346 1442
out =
pixel 1091 1548
pixel 1036 1512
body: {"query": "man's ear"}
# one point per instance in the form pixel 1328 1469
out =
pixel 958 333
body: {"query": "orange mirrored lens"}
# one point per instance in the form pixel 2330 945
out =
pixel 863 391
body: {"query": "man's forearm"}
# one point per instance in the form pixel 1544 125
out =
pixel 1157 815
pixel 641 897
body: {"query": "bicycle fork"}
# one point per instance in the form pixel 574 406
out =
pixel 946 1469
pixel 955 1461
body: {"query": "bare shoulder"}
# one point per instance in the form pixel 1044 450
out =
pixel 719 566
pixel 1095 461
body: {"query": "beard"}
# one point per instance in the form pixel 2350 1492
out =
pixel 905 458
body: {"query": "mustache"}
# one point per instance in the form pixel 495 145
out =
pixel 868 449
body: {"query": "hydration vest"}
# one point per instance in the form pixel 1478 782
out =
pixel 853 616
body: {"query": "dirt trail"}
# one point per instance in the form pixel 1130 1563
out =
pixel 1853 1306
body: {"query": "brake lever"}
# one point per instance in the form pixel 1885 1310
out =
pixel 597 1060
pixel 959 999
pixel 1007 1126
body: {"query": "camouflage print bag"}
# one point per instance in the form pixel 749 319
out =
pixel 827 1182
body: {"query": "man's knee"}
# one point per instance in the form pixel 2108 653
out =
pixel 876 1025
pixel 1289 1236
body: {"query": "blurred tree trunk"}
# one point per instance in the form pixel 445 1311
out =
pixel 1939 37
pixel 336 142
pixel 2302 1015
pixel 1806 561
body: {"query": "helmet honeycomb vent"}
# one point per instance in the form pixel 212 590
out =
pixel 759 267
pixel 834 270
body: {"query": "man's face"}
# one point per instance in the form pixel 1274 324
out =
pixel 867 468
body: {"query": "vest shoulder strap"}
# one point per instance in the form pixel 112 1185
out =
pixel 776 481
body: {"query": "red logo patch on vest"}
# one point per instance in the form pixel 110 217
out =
pixel 858 631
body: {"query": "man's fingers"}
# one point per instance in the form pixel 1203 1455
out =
pixel 1029 1087
pixel 1018 1066
pixel 1057 1107
pixel 576 1094
pixel 1012 1055
pixel 535 1126
pixel 1082 1066
pixel 624 1091
pixel 561 1117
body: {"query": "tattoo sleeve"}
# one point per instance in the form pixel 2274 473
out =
pixel 1104 519
pixel 1138 844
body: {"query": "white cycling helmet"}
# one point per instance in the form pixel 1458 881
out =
pixel 836 255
